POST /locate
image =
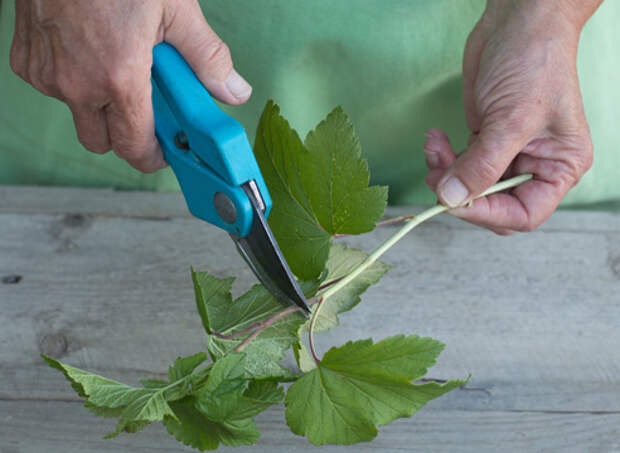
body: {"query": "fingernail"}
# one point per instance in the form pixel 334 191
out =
pixel 432 159
pixel 433 133
pixel 237 85
pixel 432 145
pixel 453 192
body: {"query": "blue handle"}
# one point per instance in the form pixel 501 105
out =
pixel 219 158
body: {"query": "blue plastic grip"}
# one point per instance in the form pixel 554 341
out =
pixel 219 159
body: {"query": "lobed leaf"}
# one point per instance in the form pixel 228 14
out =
pixel 226 317
pixel 361 385
pixel 319 189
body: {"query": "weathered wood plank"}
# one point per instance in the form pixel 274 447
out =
pixel 104 202
pixel 530 310
pixel 61 427
pixel 534 318
pixel 109 202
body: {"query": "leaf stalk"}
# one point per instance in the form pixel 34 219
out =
pixel 412 221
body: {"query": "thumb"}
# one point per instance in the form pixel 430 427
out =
pixel 206 53
pixel 480 166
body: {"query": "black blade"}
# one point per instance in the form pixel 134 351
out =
pixel 260 250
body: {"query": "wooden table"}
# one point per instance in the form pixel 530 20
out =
pixel 535 318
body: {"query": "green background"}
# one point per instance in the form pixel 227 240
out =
pixel 393 65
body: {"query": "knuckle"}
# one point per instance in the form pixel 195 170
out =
pixel 130 150
pixel 93 147
pixel 67 86
pixel 216 52
pixel 119 80
pixel 485 170
pixel 527 227
pixel 16 63
pixel 579 162
pixel 586 156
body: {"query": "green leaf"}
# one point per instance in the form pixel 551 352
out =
pixel 226 398
pixel 222 410
pixel 184 366
pixel 342 261
pixel 214 290
pixel 305 362
pixel 227 318
pixel 282 158
pixel 361 385
pixel 103 411
pixel 319 189
pixel 142 405
pixel 153 383
pixel 196 430
pixel 219 398
pixel 336 178
pixel 259 396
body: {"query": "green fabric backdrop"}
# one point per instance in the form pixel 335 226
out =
pixel 394 66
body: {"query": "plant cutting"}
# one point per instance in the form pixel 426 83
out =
pixel 320 191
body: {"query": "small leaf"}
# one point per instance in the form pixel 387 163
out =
pixel 342 260
pixel 336 178
pixel 214 290
pixel 222 411
pixel 361 385
pixel 196 430
pixel 305 362
pixel 153 383
pixel 103 411
pixel 220 397
pixel 184 366
pixel 228 319
pixel 259 396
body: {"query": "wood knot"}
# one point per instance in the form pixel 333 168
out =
pixel 74 220
pixel 614 264
pixel 12 279
pixel 53 345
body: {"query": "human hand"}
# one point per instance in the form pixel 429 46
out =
pixel 524 109
pixel 96 56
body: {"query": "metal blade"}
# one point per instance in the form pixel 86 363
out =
pixel 260 250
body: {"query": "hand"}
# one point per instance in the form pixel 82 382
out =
pixel 524 110
pixel 96 56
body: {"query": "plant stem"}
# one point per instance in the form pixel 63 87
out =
pixel 311 330
pixel 409 225
pixel 254 326
pixel 262 325
pixel 400 218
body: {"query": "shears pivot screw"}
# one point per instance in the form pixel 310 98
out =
pixel 180 140
pixel 225 207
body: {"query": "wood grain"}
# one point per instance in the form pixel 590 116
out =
pixel 106 287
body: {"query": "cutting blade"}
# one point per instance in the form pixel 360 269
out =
pixel 260 250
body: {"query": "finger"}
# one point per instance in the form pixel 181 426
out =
pixel 40 66
pixel 92 129
pixel 206 53
pixel 482 164
pixel 439 156
pixel 20 47
pixel 524 208
pixel 131 128
pixel 438 151
pixel 471 63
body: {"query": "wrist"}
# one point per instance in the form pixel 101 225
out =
pixel 557 17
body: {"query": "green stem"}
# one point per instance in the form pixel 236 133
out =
pixel 409 225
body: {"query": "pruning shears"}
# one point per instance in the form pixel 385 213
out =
pixel 213 161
